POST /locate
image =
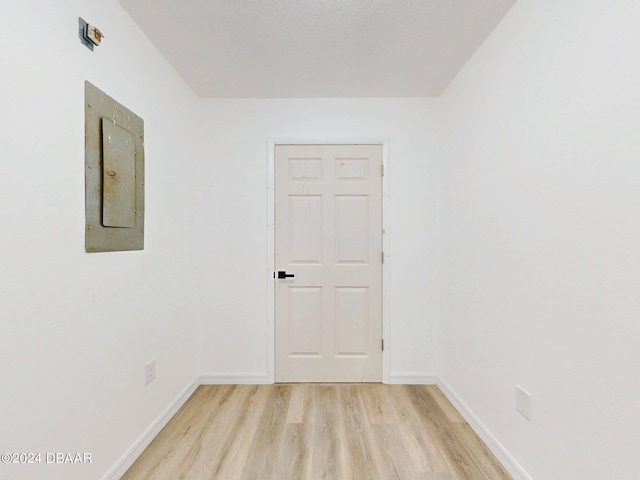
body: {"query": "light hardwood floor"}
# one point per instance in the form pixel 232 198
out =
pixel 331 432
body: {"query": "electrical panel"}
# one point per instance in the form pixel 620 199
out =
pixel 114 175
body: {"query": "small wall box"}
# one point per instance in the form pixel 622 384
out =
pixel 114 175
pixel 89 34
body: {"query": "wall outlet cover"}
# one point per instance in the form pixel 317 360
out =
pixel 523 402
pixel 150 371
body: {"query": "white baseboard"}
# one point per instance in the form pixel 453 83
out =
pixel 413 378
pixel 150 433
pixel 233 379
pixel 503 456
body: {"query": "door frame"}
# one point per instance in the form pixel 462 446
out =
pixel 271 240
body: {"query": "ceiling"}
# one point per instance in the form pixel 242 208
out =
pixel 317 48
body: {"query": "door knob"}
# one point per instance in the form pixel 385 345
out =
pixel 282 274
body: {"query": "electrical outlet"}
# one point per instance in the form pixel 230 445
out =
pixel 523 402
pixel 150 371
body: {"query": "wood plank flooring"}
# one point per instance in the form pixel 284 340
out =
pixel 305 432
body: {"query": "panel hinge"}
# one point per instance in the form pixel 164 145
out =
pixel 382 257
pixel 382 169
pixel 382 341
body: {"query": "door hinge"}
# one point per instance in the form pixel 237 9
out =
pixel 382 344
pixel 382 169
pixel 382 256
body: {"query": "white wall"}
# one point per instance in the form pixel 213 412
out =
pixel 541 221
pixel 77 328
pixel 233 227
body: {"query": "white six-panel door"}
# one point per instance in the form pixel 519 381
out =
pixel 328 234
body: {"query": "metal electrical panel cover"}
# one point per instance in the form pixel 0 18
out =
pixel 114 175
pixel 118 176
